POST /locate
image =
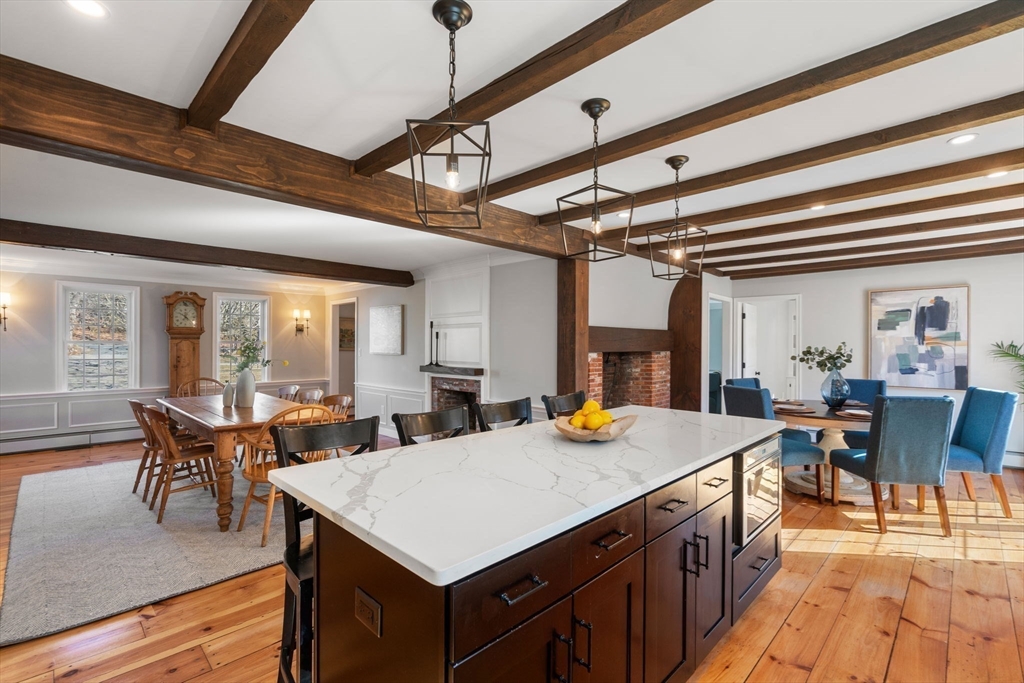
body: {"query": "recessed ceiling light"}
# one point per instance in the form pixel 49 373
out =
pixel 89 8
pixel 624 214
pixel 817 207
pixel 962 139
pixel 997 174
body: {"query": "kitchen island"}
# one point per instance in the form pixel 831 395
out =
pixel 503 555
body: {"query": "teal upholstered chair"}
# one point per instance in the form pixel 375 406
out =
pixel 980 436
pixel 745 382
pixel 909 444
pixel 797 448
pixel 863 390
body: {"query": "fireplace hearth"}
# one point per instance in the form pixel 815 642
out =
pixel 452 392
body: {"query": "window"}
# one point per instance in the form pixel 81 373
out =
pixel 239 316
pixel 99 348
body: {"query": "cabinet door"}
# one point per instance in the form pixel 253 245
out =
pixel 539 651
pixel 713 600
pixel 670 577
pixel 608 625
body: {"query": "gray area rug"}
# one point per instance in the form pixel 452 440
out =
pixel 84 547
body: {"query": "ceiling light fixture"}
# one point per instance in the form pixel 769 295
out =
pixel 447 144
pixel 817 207
pixel 594 197
pixel 89 8
pixel 997 174
pixel 962 139
pixel 677 241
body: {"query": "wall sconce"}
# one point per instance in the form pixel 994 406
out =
pixel 301 328
pixel 5 301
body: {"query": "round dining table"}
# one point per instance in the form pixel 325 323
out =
pixel 815 413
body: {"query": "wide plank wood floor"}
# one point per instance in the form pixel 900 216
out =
pixel 847 605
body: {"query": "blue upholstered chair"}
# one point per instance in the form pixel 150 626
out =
pixel 797 448
pixel 979 438
pixel 909 444
pixel 745 382
pixel 863 390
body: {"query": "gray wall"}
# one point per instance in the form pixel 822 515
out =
pixel 347 359
pixel 396 372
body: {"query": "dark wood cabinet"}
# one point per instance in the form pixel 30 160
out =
pixel 669 650
pixel 713 559
pixel 608 625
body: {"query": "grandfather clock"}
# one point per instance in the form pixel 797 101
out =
pixel 184 327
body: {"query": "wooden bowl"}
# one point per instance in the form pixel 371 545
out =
pixel 605 433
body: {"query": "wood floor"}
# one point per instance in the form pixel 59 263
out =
pixel 848 604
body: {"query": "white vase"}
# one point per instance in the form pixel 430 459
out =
pixel 229 395
pixel 245 389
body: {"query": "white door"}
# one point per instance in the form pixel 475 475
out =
pixel 791 337
pixel 748 341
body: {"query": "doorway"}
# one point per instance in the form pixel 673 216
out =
pixel 768 335
pixel 342 350
pixel 719 345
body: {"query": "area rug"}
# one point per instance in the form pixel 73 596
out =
pixel 84 547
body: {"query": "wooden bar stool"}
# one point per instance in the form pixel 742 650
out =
pixel 488 414
pixel 451 422
pixel 566 403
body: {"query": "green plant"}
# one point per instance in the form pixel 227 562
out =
pixel 249 353
pixel 825 359
pixel 1013 353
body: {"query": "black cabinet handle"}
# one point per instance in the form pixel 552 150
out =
pixel 537 585
pixel 707 552
pixel 668 507
pixel 719 480
pixel 686 565
pixel 588 662
pixel 764 563
pixel 623 537
pixel 559 638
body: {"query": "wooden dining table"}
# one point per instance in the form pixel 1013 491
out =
pixel 207 417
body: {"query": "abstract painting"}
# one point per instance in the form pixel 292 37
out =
pixel 386 330
pixel 918 337
pixel 346 334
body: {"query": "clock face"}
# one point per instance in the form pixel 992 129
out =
pixel 185 314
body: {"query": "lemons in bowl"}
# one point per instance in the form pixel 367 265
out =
pixel 591 417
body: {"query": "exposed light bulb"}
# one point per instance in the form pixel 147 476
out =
pixel 89 8
pixel 595 220
pixel 997 174
pixel 677 254
pixel 451 176
pixel 962 139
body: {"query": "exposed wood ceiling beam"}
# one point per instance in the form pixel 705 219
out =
pixel 995 249
pixel 979 114
pixel 1012 233
pixel 264 26
pixel 52 112
pixel 56 237
pixel 966 169
pixel 876 233
pixel 971 27
pixel 622 26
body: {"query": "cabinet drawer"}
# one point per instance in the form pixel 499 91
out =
pixel 492 602
pixel 669 506
pixel 755 565
pixel 713 482
pixel 601 543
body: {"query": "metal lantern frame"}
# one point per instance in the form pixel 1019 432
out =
pixel 447 131
pixel 679 236
pixel 587 198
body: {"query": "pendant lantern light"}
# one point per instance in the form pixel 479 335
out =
pixel 450 149
pixel 594 198
pixel 671 248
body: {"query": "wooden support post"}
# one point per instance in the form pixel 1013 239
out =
pixel 684 321
pixel 573 324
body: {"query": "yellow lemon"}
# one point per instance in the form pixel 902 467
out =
pixel 591 407
pixel 593 421
pixel 577 421
pixel 608 419
pixel 578 413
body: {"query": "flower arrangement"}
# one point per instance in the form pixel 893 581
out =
pixel 1014 354
pixel 825 359
pixel 250 353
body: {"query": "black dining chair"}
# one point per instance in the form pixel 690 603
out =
pixel 565 403
pixel 488 414
pixel 451 422
pixel 291 443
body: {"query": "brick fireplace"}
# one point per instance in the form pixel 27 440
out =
pixel 639 378
pixel 452 392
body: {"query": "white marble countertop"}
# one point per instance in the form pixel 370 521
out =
pixel 449 508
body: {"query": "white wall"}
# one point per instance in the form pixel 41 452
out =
pixel 623 293
pixel 834 309
pixel 346 366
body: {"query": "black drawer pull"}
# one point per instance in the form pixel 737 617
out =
pixel 707 552
pixel 623 537
pixel 719 480
pixel 686 565
pixel 559 638
pixel 537 585
pixel 764 563
pixel 588 662
pixel 667 507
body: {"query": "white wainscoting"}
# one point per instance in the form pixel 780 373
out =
pixel 385 401
pixel 30 422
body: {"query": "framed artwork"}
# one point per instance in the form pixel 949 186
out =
pixel 387 330
pixel 919 337
pixel 346 334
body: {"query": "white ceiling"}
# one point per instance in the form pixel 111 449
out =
pixel 352 71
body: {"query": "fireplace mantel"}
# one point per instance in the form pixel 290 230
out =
pixel 450 370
